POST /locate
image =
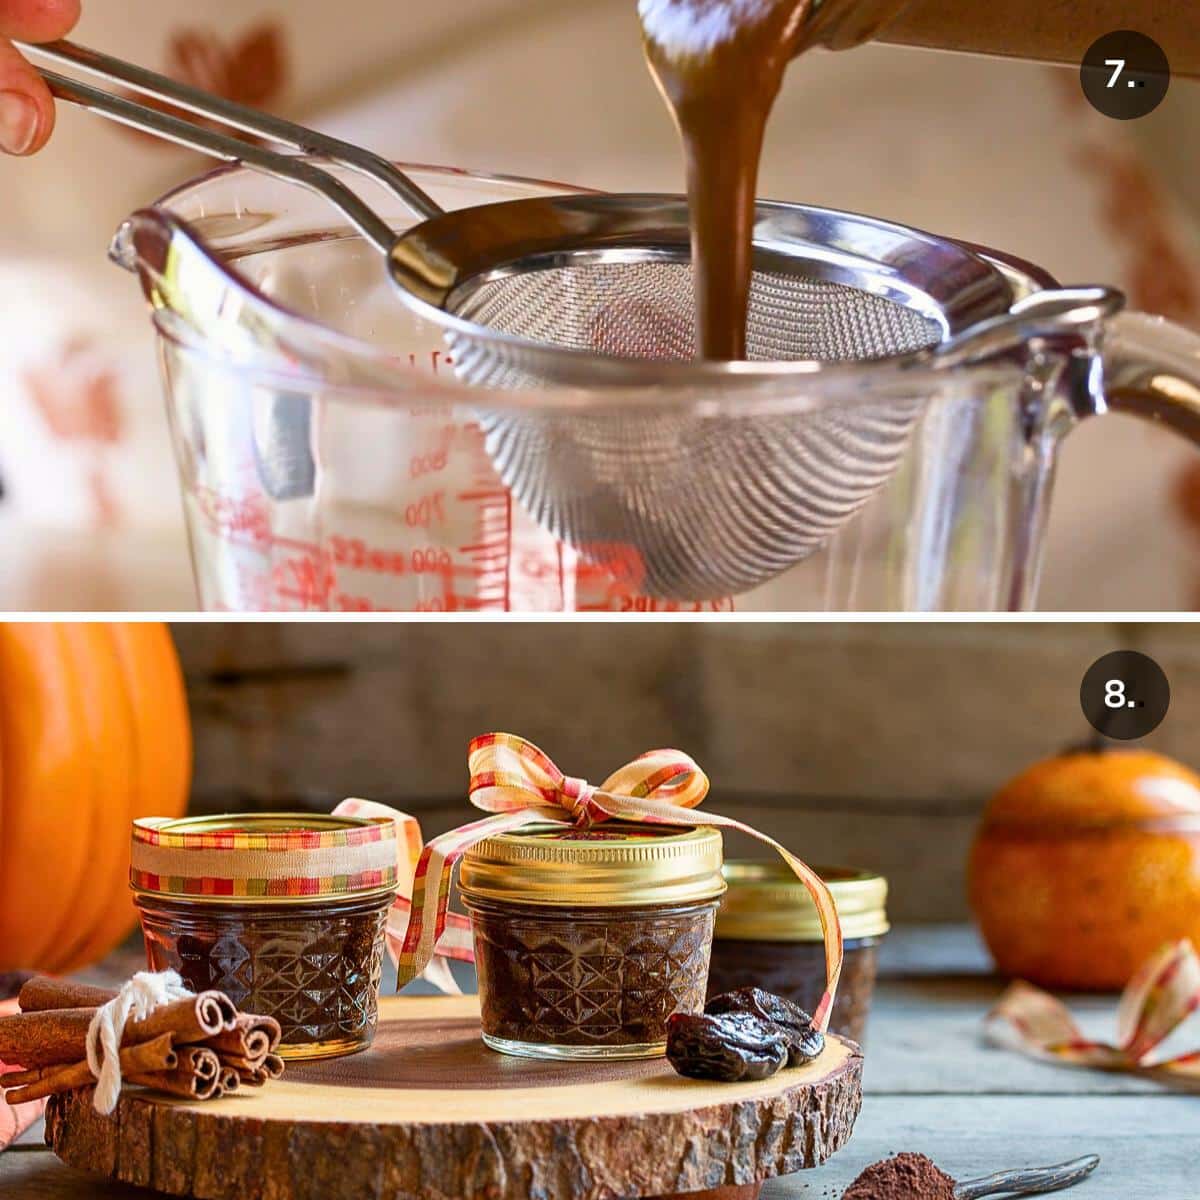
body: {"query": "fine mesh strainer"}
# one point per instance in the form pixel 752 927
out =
pixel 637 456
pixel 588 292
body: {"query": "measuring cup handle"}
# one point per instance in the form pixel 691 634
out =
pixel 1152 370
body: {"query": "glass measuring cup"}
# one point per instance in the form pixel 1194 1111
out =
pixel 325 463
pixel 329 460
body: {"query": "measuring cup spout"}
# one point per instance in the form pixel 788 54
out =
pixel 187 287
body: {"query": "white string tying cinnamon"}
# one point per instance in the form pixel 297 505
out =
pixel 136 1000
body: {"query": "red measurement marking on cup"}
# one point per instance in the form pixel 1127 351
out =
pixel 235 518
pixel 617 580
pixel 488 550
pixel 489 553
pixel 624 602
pixel 358 555
pixel 433 359
pixel 307 580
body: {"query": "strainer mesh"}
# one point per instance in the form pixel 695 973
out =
pixel 680 504
pixel 646 309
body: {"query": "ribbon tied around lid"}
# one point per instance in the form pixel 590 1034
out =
pixel 520 785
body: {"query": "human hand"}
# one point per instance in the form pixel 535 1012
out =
pixel 26 106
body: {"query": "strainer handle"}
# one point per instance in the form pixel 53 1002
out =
pixel 1152 370
pixel 231 149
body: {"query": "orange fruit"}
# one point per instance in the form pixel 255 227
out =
pixel 1085 864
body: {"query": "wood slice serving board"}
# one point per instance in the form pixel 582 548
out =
pixel 430 1112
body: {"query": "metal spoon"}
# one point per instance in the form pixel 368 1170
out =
pixel 1028 1181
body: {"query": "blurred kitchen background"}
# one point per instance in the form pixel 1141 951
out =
pixel 867 745
pixel 1002 153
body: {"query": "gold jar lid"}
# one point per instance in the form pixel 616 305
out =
pixel 612 865
pixel 263 858
pixel 766 902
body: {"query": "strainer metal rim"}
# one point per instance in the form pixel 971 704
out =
pixel 834 382
pixel 437 262
pixel 763 396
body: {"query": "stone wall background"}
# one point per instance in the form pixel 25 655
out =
pixel 867 744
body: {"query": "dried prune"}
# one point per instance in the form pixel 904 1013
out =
pixel 729 1047
pixel 804 1042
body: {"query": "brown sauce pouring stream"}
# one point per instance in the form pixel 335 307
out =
pixel 719 65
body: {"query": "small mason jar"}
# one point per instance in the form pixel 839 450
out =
pixel 284 913
pixel 586 941
pixel 768 935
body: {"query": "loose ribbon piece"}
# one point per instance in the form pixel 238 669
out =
pixel 1156 1002
pixel 16 1119
pixel 455 941
pixel 517 782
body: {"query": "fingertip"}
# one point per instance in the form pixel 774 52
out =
pixel 61 17
pixel 26 106
pixel 47 113
pixel 38 20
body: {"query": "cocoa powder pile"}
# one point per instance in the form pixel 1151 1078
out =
pixel 906 1176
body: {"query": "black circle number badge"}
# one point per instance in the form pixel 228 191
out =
pixel 1125 75
pixel 1125 695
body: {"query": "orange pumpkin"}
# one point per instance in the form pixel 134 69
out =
pixel 1086 864
pixel 93 732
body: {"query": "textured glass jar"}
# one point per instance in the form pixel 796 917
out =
pixel 768 935
pixel 286 916
pixel 586 941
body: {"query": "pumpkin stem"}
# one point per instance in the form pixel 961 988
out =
pixel 1094 743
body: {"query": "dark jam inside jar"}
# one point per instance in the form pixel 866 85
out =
pixel 588 982
pixel 314 967
pixel 769 935
pixel 797 970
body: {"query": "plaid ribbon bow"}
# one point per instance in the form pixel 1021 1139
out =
pixel 1156 1002
pixel 518 783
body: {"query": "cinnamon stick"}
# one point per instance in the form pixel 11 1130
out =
pixel 12 1079
pixel 214 1011
pixel 197 1047
pixel 201 1062
pixel 258 1023
pixel 270 1068
pixel 241 1062
pixel 252 1036
pixel 42 994
pixel 179 1082
pixel 44 1039
pixel 154 1056
pixel 197 1077
pixel 53 1036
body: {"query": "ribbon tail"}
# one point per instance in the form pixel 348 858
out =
pixel 1163 993
pixel 427 922
pixel 657 811
pixel 437 972
pixel 456 943
pixel 1182 1071
pixel 1028 1019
